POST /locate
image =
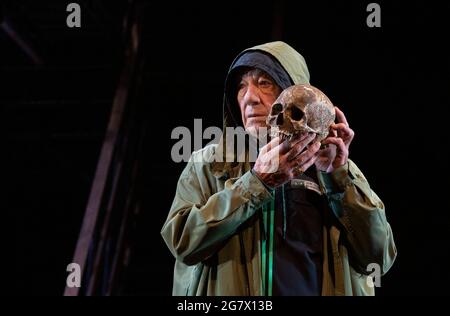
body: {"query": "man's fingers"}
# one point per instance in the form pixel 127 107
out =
pixel 340 145
pixel 332 131
pixel 303 157
pixel 296 171
pixel 299 149
pixel 344 130
pixel 339 126
pixel 299 140
pixel 340 116
pixel 273 143
pixel 298 144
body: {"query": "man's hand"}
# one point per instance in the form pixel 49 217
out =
pixel 278 162
pixel 338 141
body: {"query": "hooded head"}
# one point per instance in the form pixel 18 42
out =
pixel 280 61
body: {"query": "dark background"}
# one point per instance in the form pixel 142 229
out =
pixel 392 83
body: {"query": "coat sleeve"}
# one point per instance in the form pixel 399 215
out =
pixel 362 214
pixel 200 221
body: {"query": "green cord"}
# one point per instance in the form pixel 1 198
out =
pixel 267 248
pixel 263 252
pixel 272 217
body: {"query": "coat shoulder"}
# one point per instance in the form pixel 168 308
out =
pixel 201 161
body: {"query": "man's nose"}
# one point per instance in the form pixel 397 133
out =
pixel 252 95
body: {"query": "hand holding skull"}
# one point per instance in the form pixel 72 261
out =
pixel 278 162
pixel 303 115
pixel 336 153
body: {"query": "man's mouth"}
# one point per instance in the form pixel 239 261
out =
pixel 256 116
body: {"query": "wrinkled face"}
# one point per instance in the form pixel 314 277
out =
pixel 301 109
pixel 256 93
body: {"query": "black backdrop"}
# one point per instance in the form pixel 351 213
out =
pixel 392 83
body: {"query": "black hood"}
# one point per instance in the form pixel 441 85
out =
pixel 280 61
pixel 253 59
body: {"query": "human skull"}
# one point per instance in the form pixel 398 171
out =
pixel 301 109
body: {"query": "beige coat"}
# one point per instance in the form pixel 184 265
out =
pixel 213 227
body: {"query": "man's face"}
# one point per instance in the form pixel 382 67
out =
pixel 256 93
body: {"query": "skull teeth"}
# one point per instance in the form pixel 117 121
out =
pixel 282 134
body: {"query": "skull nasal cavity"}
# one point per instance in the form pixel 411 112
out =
pixel 296 114
pixel 280 119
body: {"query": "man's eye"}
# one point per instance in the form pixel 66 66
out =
pixel 241 89
pixel 265 83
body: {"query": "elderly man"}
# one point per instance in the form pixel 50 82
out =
pixel 236 229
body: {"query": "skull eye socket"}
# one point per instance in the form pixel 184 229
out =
pixel 296 113
pixel 276 108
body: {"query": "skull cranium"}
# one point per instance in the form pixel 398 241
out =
pixel 301 109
